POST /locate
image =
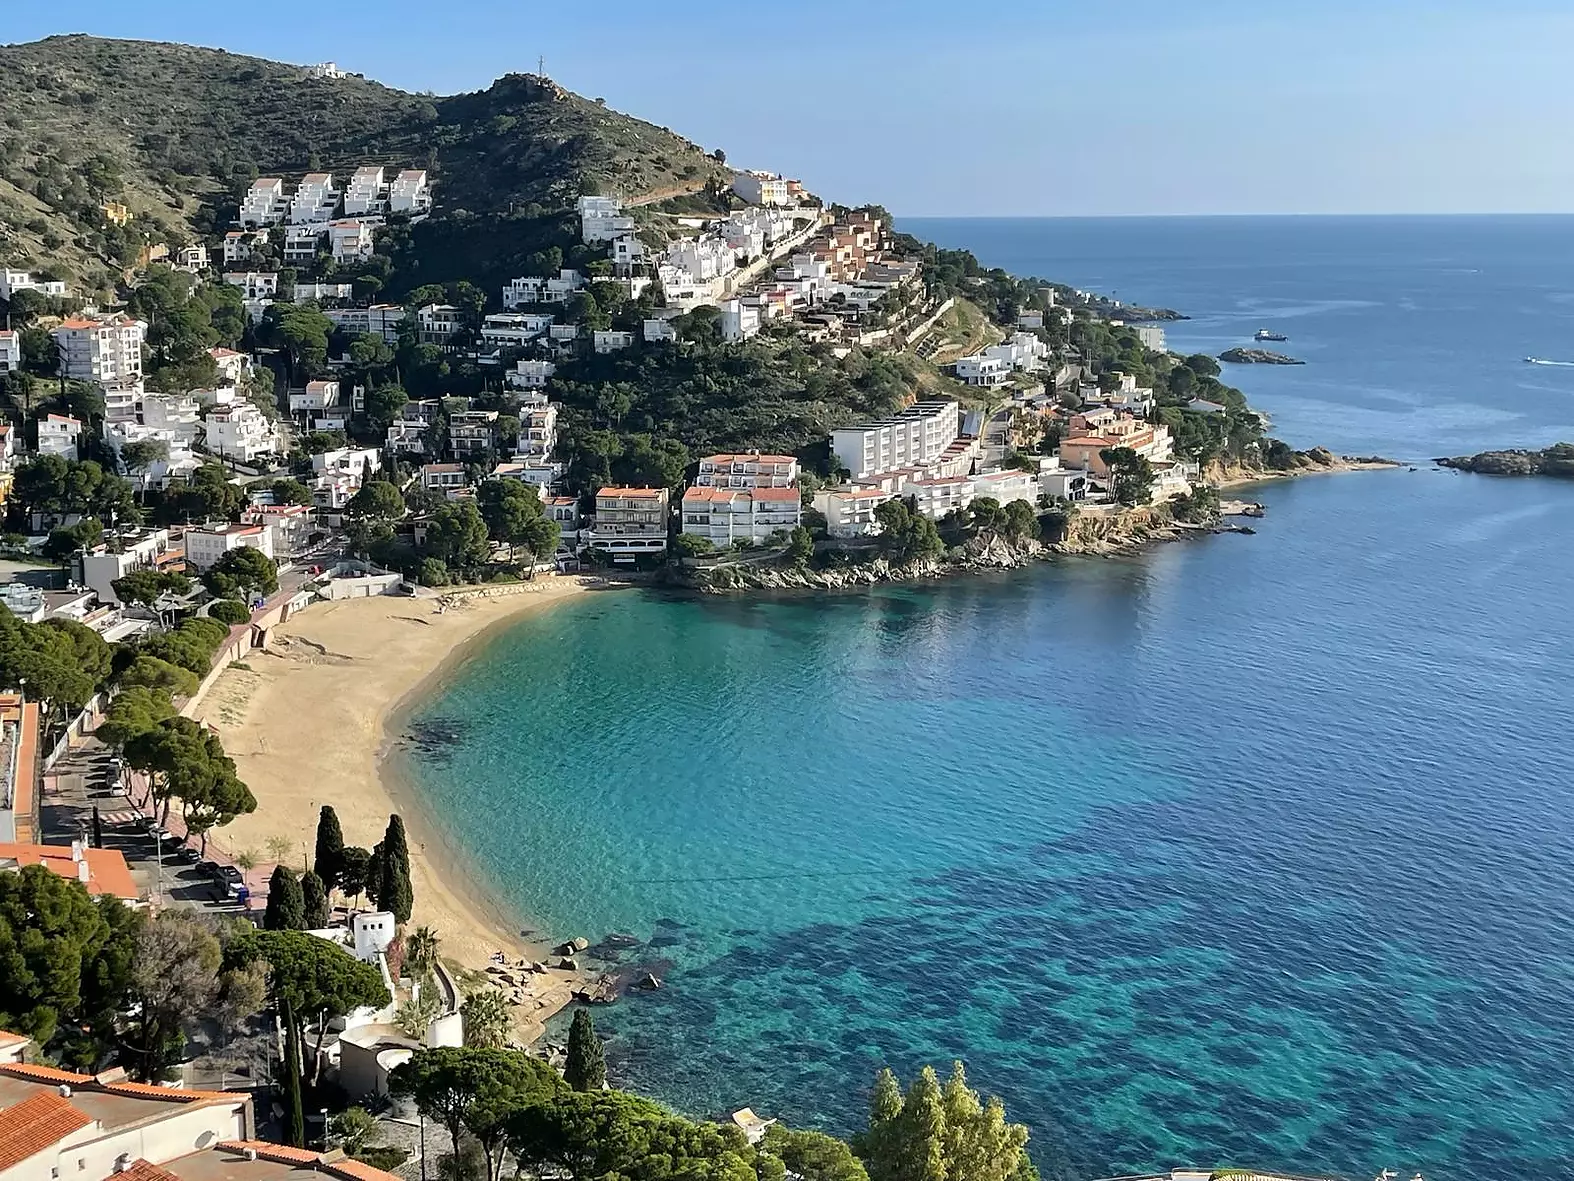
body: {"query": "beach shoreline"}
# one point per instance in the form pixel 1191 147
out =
pixel 316 719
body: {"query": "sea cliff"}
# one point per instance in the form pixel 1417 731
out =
pixel 1556 460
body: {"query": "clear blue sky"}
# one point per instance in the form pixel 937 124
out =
pixel 1032 107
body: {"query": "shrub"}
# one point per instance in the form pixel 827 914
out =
pixel 230 611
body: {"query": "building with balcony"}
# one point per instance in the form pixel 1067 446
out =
pixel 472 434
pixel 240 432
pixel 10 351
pixel 410 193
pixel 444 477
pixel 58 435
pixel 727 515
pixel 438 322
pixel 264 203
pixel 849 512
pixel 530 375
pixel 367 192
pixel 749 469
pixel 912 438
pixel 315 200
pixel 630 522
pixel 102 349
pixel 207 544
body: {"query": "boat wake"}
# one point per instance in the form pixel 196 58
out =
pixel 1558 364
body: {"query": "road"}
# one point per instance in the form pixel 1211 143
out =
pixel 997 438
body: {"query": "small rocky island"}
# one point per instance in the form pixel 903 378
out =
pixel 1556 460
pixel 1244 356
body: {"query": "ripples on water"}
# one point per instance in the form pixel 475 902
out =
pixel 1252 850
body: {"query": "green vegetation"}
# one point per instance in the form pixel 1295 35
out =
pixel 63 662
pixel 328 857
pixel 585 1068
pixel 230 611
pixel 148 586
pixel 388 872
pixel 242 572
pixel 286 902
pixel 185 761
pixel 486 1019
pixel 906 535
pixel 937 1132
pixel 1131 475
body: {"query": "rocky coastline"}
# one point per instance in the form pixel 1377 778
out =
pixel 1245 356
pixel 1556 461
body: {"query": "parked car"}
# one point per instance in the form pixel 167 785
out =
pixel 209 870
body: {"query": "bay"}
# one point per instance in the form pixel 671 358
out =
pixel 1254 850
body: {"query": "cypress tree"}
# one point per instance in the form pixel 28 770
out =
pixel 294 1113
pixel 286 904
pixel 586 1067
pixel 883 1142
pixel 329 860
pixel 314 897
pixel 395 893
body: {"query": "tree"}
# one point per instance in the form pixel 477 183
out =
pixel 1131 475
pixel 290 491
pixel 456 535
pixel 612 1134
pixel 508 507
pixel 486 1019
pixel 353 864
pixel 174 980
pixel 415 1014
pixel 1021 522
pixel 383 405
pixel 186 761
pixel 241 573
pixel 143 454
pixel 692 545
pixel 354 1126
pixel 377 500
pixel 59 667
pixel 905 534
pixel 813 1156
pixel 294 1116
pixel 394 892
pixel 159 676
pixel 314 898
pixel 229 611
pixel 301 332
pixel 936 1133
pixel 65 959
pixel 328 858
pixel 62 543
pixel 474 1090
pixel 209 495
pixel 420 952
pixel 987 515
pixel 585 1068
pixel 286 902
pixel 800 546
pixel 148 586
pixel 133 710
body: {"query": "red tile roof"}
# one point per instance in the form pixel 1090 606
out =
pixel 352 1170
pixel 35 1124
pixel 142 1170
pixel 107 869
pixel 44 1074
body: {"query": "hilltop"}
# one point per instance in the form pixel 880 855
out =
pixel 175 133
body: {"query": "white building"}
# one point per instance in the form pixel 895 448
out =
pixel 305 292
pixel 315 200
pixel 531 289
pixel 240 432
pixel 192 259
pixel 410 192
pixel 381 319
pixel 358 463
pixel 658 330
pixel 206 545
pixel 291 524
pixel 513 330
pixel 179 462
pixel 530 375
pixel 611 341
pixel 601 219
pixel 13 281
pixel 739 321
pixel 264 203
pixel 58 435
pixel 726 515
pixel 318 395
pixel 10 351
pixel 630 522
pixel 366 193
pixel 849 512
pixel 1022 351
pixel 233 367
pixel 254 285
pixel 105 349
pixel 748 469
pixel 913 438
pixel 132 551
pixel 1151 336
pixel 979 370
pixel 437 322
pixel 178 414
pixel 325 70
pixel 351 240
pixel 472 433
pixel 406 436
pixel 1030 319
pixel 240 245
pixel 444 477
pixel 537 432
pixel 627 253
pixel 762 190
pixel 301 243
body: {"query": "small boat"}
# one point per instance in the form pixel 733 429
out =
pixel 1532 360
pixel 1265 334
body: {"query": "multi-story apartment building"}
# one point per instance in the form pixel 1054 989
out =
pixel 151 549
pixel 513 330
pixel 444 477
pixel 240 431
pixel 291 524
pixel 410 192
pixel 747 470
pixel 1084 449
pixel 849 512
pixel 381 319
pixel 351 239
pixel 537 432
pixel 726 515
pixel 264 203
pixel 530 375
pixel 58 435
pixel 318 395
pixel 10 351
pixel 530 289
pixel 406 436
pixel 979 370
pixel 630 522
pixel 315 200
pixel 105 349
pixel 254 284
pixel 912 438
pixel 763 190
pixel 601 219
pixel 437 322
pixel 206 545
pixel 240 245
pixel 191 258
pixel 301 243
pixel 472 433
pixel 307 292
pixel 611 341
pixel 366 192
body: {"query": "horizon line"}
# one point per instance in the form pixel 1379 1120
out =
pixel 1197 216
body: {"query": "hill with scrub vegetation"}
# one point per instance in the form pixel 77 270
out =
pixel 176 132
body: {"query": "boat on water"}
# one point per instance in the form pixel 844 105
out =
pixel 1265 334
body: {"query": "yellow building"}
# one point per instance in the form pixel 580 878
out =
pixel 117 213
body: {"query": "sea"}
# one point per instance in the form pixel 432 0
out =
pixel 1250 851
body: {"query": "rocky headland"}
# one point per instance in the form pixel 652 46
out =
pixel 1245 356
pixel 1556 460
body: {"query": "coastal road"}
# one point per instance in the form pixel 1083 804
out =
pixel 997 438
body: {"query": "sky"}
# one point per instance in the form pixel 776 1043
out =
pixel 1034 108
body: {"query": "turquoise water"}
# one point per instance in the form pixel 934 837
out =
pixel 1249 850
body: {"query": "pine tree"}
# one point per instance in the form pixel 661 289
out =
pixel 286 904
pixel 882 1145
pixel 330 847
pixel 294 1113
pixel 395 893
pixel 314 898
pixel 922 1130
pixel 586 1066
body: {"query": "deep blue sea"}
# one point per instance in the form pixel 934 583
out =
pixel 1255 850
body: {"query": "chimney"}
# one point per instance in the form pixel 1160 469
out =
pixel 63 1091
pixel 84 874
pixel 251 1154
pixel 76 850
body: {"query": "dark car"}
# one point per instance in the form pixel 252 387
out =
pixel 209 869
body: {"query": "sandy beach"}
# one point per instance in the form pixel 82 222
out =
pixel 307 724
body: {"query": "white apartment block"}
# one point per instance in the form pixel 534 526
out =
pixel 611 341
pixel 254 285
pixel 13 281
pixel 305 292
pixel 290 524
pixel 563 334
pixel 105 349
pixel 178 465
pixel 849 512
pixel 410 192
pixel 1151 336
pixel 318 395
pixel 366 193
pixel 627 253
pixel 240 245
pixel 725 515
pixel 437 322
pixel 658 330
pixel 205 546
pixel 530 289
pixel 749 469
pixel 912 438
pixel 58 434
pixel 191 259
pixel 1022 351
pixel 233 366
pixel 704 258
pixel 406 436
pixel 137 551
pixel 443 477
pixel 301 243
pixel 979 370
pixel 601 219
pixel 357 463
pixel 381 319
pixel 351 240
pixel 630 522
pixel 530 375
pixel 762 190
pixel 1030 319
pixel 179 414
pixel 739 321
pixel 537 432
pixel 10 351
pixel 264 203
pixel 240 432
pixel 315 200
pixel 472 433
pixel 123 403
pixel 513 330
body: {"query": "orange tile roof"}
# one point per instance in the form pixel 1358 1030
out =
pixel 7 1038
pixel 776 494
pixel 142 1170
pixel 171 1094
pixel 747 458
pixel 35 1124
pixel 44 1074
pixel 107 869
pixel 354 1170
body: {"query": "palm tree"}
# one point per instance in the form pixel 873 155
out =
pixel 420 952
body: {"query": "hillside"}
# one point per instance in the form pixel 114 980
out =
pixel 175 132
